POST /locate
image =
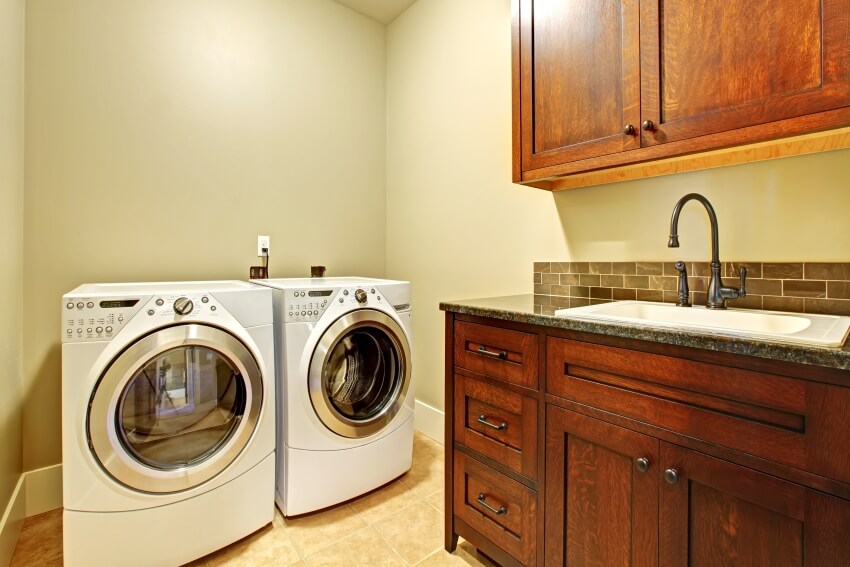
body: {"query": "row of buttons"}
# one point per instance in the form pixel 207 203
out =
pixel 99 330
pixel 316 312
pixel 80 305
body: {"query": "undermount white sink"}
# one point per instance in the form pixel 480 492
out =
pixel 774 326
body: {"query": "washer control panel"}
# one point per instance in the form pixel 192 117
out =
pixel 101 318
pixel 306 305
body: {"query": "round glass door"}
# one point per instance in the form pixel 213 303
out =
pixel 174 409
pixel 360 373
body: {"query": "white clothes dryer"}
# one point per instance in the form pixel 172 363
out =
pixel 168 420
pixel 345 397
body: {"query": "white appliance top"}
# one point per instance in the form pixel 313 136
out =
pixel 291 283
pixel 158 287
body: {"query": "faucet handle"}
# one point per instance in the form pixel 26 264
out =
pixel 742 290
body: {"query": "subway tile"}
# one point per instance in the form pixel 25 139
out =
pixel 627 268
pixel 697 284
pixel 579 302
pixel 671 297
pixel 579 267
pixel 649 268
pixel 611 281
pixel 641 282
pixel 589 279
pixel 828 306
pixel 559 302
pixel 600 267
pixel 804 288
pixel 699 297
pixel 542 267
pixel 560 290
pixel 549 310
pixel 650 295
pixel 838 290
pixel 542 289
pixel 731 269
pixel 542 299
pixel 748 302
pixel 759 286
pixel 665 283
pixel 538 309
pixel 560 267
pixel 579 291
pixel 601 293
pixel 538 277
pixel 700 269
pixel 773 303
pixel 670 268
pixel 782 270
pixel 569 279
pixel 826 271
pixel 599 301
pixel 624 294
pixel 551 278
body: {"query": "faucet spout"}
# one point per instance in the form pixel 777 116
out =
pixel 717 293
pixel 712 217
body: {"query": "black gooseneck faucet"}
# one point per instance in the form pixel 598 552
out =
pixel 718 294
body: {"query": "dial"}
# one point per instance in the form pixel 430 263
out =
pixel 183 306
pixel 360 296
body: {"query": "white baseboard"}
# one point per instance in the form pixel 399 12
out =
pixel 12 522
pixel 44 489
pixel 430 421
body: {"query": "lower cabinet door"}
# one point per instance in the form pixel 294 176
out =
pixel 601 493
pixel 716 514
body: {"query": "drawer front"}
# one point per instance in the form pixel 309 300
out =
pixel 499 353
pixel 497 423
pixel 794 422
pixel 503 510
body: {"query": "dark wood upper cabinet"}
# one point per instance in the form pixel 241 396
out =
pixel 609 83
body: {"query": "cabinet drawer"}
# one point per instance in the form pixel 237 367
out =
pixel 498 353
pixel 503 510
pixel 790 421
pixel 497 423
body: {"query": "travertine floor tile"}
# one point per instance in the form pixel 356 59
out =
pixel 314 532
pixel 465 554
pixel 269 546
pixel 426 476
pixel 365 547
pixel 438 501
pixel 415 532
pixel 422 442
pixel 386 501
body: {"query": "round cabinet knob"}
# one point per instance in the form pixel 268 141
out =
pixel 629 130
pixel 360 296
pixel 671 476
pixel 183 306
pixel 648 125
pixel 642 464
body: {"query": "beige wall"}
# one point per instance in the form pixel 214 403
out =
pixel 458 229
pixel 163 137
pixel 781 210
pixel 456 226
pixel 11 242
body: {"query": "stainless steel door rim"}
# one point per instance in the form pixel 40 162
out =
pixel 102 419
pixel 338 330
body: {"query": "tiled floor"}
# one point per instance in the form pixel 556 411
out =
pixel 399 525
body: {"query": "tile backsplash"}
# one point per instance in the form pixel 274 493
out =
pixel 810 287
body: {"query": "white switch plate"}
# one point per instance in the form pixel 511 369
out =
pixel 263 242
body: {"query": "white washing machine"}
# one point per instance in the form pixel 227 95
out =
pixel 168 420
pixel 345 401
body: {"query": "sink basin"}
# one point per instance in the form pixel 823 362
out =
pixel 774 326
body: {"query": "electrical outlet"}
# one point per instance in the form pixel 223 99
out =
pixel 263 242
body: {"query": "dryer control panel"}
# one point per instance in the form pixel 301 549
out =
pixel 101 318
pixel 306 305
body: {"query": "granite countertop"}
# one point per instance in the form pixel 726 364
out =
pixel 520 309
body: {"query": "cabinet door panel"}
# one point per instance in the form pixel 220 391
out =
pixel 718 514
pixel 716 65
pixel 580 79
pixel 600 509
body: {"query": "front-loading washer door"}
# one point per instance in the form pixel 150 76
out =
pixel 175 408
pixel 360 373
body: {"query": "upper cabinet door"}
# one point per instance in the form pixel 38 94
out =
pixel 714 65
pixel 579 80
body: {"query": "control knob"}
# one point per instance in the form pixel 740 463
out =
pixel 360 296
pixel 183 306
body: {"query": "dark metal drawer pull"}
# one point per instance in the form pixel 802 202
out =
pixel 499 512
pixel 482 419
pixel 500 355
